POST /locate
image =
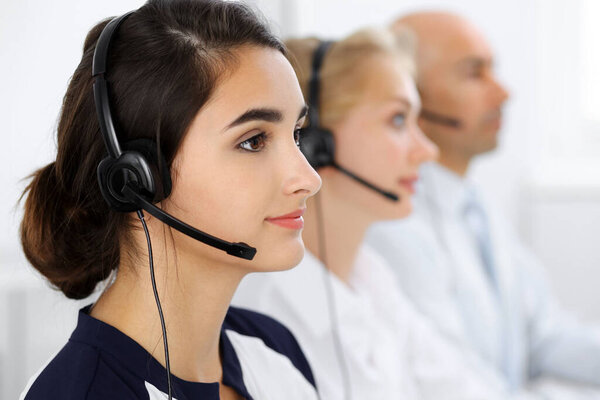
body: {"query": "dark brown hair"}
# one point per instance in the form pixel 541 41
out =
pixel 164 63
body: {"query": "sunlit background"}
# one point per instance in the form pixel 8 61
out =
pixel 546 173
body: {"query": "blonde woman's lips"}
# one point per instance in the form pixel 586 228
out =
pixel 409 183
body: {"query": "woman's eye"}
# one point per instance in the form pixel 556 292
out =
pixel 297 136
pixel 399 120
pixel 255 143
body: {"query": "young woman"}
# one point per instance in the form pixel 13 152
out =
pixel 361 336
pixel 202 92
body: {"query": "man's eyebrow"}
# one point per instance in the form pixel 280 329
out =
pixel 475 62
pixel 257 114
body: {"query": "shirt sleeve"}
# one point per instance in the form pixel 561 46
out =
pixel 560 346
pixel 445 371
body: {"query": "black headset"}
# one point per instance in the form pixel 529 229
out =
pixel 316 142
pixel 136 166
pixel 441 119
pixel 135 177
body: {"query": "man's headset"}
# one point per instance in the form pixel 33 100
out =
pixel 134 178
pixel 316 142
pixel 441 119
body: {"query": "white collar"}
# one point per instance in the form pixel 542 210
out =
pixel 352 306
pixel 443 188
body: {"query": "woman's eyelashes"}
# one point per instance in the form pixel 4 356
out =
pixel 297 138
pixel 258 142
pixel 254 144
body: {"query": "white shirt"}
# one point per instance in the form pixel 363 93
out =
pixel 517 328
pixel 390 350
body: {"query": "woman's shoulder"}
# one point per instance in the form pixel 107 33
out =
pixel 68 375
pixel 98 362
pixel 273 334
pixel 80 371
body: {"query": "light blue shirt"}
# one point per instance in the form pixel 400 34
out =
pixel 512 321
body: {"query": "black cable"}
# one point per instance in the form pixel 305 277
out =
pixel 140 215
pixel 339 351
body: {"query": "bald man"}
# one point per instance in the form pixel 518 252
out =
pixel 455 257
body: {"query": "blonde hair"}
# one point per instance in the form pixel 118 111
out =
pixel 343 70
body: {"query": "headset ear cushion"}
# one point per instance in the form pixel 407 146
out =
pixel 157 163
pixel 318 146
pixel 113 175
pixel 116 203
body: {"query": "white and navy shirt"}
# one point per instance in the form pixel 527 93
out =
pixel 261 360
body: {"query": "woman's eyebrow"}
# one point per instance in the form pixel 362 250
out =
pixel 403 100
pixel 303 112
pixel 257 114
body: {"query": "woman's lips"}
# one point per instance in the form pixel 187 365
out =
pixel 291 220
pixel 409 183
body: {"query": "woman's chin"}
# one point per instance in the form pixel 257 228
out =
pixel 283 257
pixel 396 211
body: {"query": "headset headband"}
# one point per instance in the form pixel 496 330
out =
pixel 314 85
pixel 101 97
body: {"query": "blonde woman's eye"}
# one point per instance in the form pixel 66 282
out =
pixel 255 143
pixel 399 120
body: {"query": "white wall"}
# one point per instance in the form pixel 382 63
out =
pixel 40 45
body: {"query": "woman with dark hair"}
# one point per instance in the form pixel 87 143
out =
pixel 203 91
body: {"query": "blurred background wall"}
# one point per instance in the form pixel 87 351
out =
pixel 546 173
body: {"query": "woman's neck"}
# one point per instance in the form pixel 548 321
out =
pixel 194 295
pixel 344 228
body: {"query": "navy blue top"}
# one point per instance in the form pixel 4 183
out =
pixel 101 362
